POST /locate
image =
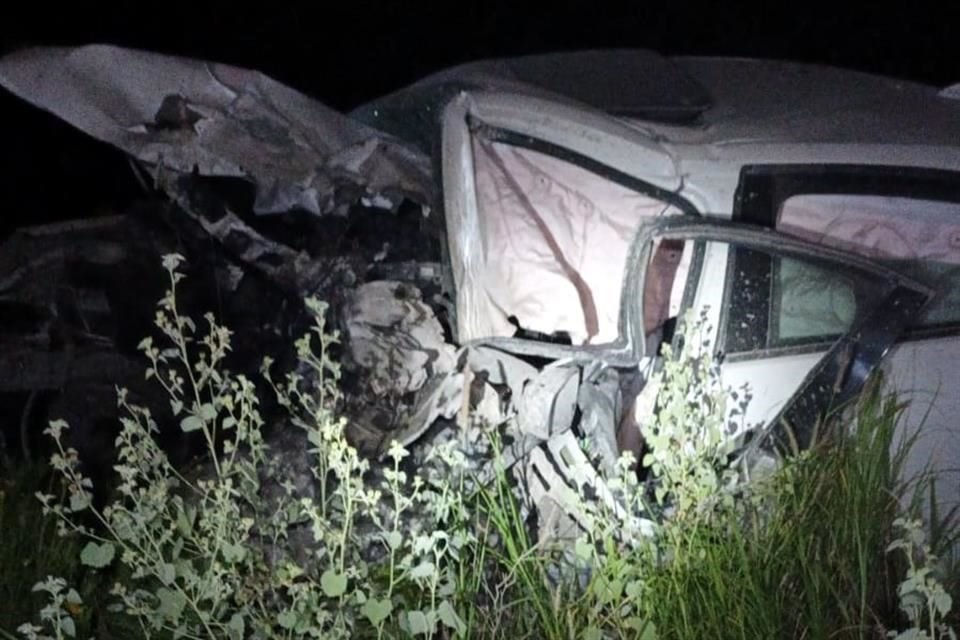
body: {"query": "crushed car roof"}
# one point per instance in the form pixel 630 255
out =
pixel 626 82
pixel 705 100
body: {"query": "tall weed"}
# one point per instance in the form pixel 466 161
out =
pixel 692 551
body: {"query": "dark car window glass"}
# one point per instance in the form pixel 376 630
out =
pixel 776 302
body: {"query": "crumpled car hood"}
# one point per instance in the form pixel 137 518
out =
pixel 184 115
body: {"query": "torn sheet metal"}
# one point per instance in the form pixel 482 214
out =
pixel 555 476
pixel 548 404
pixel 544 419
pixel 219 120
pixel 295 272
pixel 495 387
pixel 601 413
pixel 537 415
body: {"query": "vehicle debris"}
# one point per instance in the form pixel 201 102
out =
pixel 395 335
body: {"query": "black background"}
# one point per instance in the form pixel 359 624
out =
pixel 344 54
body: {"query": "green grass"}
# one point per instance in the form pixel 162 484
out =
pixel 813 564
pixel 31 550
pixel 809 561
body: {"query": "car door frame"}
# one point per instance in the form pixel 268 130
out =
pixel 842 370
pixel 604 145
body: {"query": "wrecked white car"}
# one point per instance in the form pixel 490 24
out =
pixel 559 213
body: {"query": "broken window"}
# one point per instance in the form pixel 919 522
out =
pixel 554 240
pixel 920 238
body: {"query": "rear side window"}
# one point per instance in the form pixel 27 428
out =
pixel 920 238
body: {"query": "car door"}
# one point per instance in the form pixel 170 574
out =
pixel 787 395
pixel 855 309
pixel 541 202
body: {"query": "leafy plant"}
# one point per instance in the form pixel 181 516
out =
pixel 32 551
pixel 801 553
pixel 205 553
pixel 922 596
pixel 694 551
pixel 56 615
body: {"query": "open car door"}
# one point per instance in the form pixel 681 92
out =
pixel 822 320
pixel 857 308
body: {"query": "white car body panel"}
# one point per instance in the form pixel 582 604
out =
pixel 764 113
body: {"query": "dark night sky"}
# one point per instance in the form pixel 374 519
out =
pixel 346 54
